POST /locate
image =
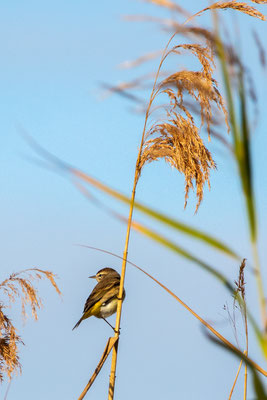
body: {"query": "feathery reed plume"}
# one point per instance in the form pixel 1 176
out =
pixel 259 1
pixel 234 5
pixel 9 340
pixel 18 286
pixel 240 283
pixel 177 139
pixel 178 142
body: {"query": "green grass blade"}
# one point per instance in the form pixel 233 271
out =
pixel 186 229
pixel 241 136
pixel 161 217
pixel 245 162
pixel 182 252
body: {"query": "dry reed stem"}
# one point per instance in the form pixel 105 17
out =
pixel 236 377
pixel 125 253
pixel 120 296
pixel 110 343
pixel 245 380
pixel 18 285
pixel 206 324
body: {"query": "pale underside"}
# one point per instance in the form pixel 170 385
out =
pixel 107 309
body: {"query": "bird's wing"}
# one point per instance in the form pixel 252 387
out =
pixel 102 291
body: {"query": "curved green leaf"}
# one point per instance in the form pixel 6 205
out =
pixel 159 216
pixel 163 218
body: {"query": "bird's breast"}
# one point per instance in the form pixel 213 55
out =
pixel 109 308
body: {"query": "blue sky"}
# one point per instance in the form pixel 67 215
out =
pixel 53 57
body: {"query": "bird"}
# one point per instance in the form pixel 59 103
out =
pixel 103 299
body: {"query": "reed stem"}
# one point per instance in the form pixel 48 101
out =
pixel 112 377
pixel 119 308
pixel 236 377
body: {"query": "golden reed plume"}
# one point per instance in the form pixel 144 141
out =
pixel 176 138
pixel 18 286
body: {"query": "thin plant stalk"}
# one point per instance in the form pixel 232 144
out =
pixel 110 343
pixel 245 382
pixel 119 308
pixel 125 253
pixel 236 377
pixel 246 353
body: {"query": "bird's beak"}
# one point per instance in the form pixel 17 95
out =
pixel 93 276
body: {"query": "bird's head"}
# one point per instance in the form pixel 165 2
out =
pixel 103 273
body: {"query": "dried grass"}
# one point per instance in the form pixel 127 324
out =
pixel 9 340
pixel 259 1
pixel 234 5
pixel 177 141
pixel 18 286
pixel 201 87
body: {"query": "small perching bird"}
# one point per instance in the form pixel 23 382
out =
pixel 103 300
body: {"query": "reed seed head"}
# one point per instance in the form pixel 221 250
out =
pixel 18 286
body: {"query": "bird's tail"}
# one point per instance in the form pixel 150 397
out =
pixel 78 323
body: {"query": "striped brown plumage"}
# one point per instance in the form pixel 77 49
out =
pixel 102 301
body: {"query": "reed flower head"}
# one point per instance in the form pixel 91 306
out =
pixel 176 138
pixel 18 285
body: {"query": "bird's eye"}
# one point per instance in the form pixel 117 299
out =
pixel 99 275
